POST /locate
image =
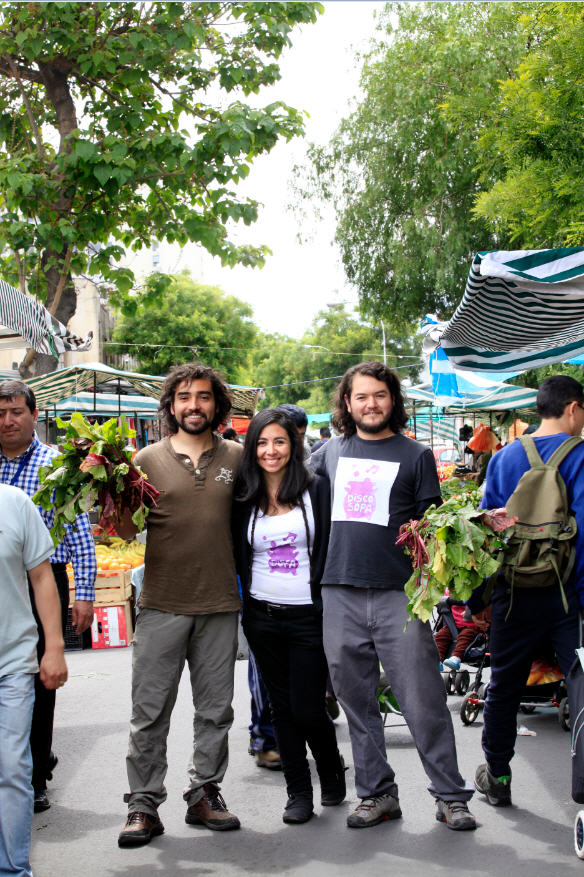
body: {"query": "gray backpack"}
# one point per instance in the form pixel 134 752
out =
pixel 541 547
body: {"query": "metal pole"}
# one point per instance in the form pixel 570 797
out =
pixel 383 342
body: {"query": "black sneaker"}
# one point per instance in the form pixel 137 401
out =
pixel 298 808
pixel 497 790
pixel 333 787
pixel 51 765
pixel 41 800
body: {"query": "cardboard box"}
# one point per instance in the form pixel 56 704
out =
pixel 112 627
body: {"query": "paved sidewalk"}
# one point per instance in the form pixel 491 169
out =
pixel 77 837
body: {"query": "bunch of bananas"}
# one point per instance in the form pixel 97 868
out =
pixel 116 556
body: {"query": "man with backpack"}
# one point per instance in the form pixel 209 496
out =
pixel 539 592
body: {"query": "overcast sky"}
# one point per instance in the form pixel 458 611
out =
pixel 319 75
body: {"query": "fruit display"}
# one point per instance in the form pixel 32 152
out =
pixel 116 556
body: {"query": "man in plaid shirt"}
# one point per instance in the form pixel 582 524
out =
pixel 21 456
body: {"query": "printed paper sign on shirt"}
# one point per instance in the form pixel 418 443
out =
pixel 362 490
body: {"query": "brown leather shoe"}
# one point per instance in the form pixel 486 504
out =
pixel 269 758
pixel 139 829
pixel 212 811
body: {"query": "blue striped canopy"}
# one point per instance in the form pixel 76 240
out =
pixel 521 309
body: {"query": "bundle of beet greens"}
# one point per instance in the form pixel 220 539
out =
pixel 94 469
pixel 455 546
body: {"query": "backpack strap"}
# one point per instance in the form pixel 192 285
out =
pixel 560 454
pixel 533 455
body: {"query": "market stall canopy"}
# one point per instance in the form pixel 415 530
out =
pixel 109 405
pixel 496 397
pixel 52 388
pixel 521 309
pixel 25 322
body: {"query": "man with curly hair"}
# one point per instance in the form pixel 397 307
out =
pixel 381 479
pixel 189 606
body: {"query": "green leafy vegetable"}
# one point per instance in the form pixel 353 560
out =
pixel 454 546
pixel 95 468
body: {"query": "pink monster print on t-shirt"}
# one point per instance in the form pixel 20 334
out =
pixel 283 557
pixel 360 496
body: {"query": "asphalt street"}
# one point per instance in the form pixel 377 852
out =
pixel 77 837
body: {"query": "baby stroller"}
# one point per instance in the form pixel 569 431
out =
pixel 458 681
pixel 539 692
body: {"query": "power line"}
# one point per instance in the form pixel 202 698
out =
pixel 197 347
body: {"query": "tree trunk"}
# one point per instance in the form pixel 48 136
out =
pixel 61 299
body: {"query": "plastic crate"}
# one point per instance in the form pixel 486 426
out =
pixel 112 626
pixel 73 640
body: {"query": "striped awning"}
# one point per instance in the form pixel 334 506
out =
pixel 23 321
pixel 491 397
pixel 58 385
pixel 109 405
pixel 521 309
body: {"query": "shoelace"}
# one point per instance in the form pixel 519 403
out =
pixel 217 803
pixel 136 816
pixel 368 803
pixel 456 806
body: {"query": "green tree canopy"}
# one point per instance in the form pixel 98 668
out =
pixel 122 123
pixel 307 371
pixel 534 142
pixel 401 172
pixel 191 321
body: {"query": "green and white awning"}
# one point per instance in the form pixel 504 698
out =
pixel 58 385
pixel 521 309
pixel 24 321
pixel 491 397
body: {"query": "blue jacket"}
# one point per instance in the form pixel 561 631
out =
pixel 503 473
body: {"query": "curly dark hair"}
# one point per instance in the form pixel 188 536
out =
pixel 343 421
pixel 194 371
pixel 250 486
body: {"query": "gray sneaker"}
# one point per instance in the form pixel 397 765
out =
pixel 372 811
pixel 497 790
pixel 455 814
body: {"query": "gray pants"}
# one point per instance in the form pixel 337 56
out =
pixel 364 627
pixel 162 644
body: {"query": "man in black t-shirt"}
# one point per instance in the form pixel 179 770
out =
pixel 381 479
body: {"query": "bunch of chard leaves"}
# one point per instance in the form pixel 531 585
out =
pixel 454 546
pixel 94 468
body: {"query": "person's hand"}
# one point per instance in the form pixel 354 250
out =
pixel 482 619
pixel 82 615
pixel 53 669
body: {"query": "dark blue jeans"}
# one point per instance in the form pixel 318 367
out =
pixel 290 655
pixel 261 732
pixel 537 618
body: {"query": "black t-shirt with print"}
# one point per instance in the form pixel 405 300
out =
pixel 362 552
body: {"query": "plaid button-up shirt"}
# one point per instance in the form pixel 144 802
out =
pixel 77 546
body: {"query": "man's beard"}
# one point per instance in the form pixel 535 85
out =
pixel 194 430
pixel 373 428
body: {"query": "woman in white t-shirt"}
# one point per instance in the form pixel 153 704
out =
pixel 282 521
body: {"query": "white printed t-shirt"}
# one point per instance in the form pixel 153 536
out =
pixel 281 568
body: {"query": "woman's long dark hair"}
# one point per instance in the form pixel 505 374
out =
pixel 250 485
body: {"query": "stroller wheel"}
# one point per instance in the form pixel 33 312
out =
pixel 527 708
pixel 579 834
pixel 462 682
pixel 564 714
pixel 448 678
pixel 469 709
